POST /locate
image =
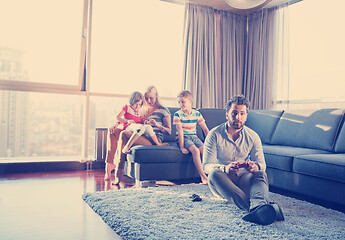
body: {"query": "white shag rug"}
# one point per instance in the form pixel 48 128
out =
pixel 168 213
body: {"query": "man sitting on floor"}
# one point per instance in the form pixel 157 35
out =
pixel 233 158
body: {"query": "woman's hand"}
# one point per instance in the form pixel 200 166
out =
pixel 152 122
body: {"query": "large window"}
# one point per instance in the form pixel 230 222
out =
pixel 317 50
pixel 135 44
pixel 40 124
pixel 52 98
pixel 41 41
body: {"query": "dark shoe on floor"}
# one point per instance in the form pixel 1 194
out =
pixel 263 215
pixel 279 212
pixel 196 198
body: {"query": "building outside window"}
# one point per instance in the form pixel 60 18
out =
pixel 47 93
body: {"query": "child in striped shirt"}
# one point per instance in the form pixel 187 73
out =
pixel 186 120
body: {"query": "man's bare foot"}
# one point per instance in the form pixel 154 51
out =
pixel 118 175
pixel 109 167
pixel 126 150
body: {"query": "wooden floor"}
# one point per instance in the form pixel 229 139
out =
pixel 49 206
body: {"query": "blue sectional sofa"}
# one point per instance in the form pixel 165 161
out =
pixel 304 152
pixel 147 164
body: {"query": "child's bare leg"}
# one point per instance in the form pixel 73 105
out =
pixel 155 140
pixel 130 143
pixel 197 162
pixel 201 149
pixel 136 134
pixel 149 130
pixel 118 175
pixel 113 137
pixel 109 167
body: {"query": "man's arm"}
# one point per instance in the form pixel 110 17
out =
pixel 210 153
pixel 257 154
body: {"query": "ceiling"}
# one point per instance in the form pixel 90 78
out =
pixel 222 5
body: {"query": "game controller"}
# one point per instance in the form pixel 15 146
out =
pixel 242 165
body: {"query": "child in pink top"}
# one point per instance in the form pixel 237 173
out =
pixel 130 119
pixel 127 116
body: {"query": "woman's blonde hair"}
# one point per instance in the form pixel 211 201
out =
pixel 145 109
pixel 153 89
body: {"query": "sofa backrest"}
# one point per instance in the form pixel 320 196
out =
pixel 213 117
pixel 310 129
pixel 340 143
pixel 264 123
pixel 172 136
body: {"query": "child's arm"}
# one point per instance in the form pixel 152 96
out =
pixel 120 118
pixel 204 128
pixel 180 139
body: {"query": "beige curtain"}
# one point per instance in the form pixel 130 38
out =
pixel 228 54
pixel 231 38
pixel 199 43
pixel 214 55
pixel 261 65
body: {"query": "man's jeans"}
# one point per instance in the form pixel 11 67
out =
pixel 247 191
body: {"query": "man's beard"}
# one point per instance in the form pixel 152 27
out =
pixel 236 125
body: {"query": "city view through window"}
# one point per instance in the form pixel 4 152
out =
pixel 43 123
pixel 40 124
pixel 38 46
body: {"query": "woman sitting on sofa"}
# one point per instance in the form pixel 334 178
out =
pixel 157 116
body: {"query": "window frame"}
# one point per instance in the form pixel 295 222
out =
pixel 286 101
pixel 82 88
pixel 54 87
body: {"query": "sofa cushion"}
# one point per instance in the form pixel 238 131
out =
pixel 329 166
pixel 213 118
pixel 340 143
pixel 263 122
pixel 281 157
pixel 308 129
pixel 157 154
